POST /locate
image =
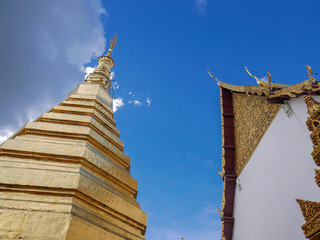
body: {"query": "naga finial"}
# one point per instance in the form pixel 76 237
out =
pixel 259 81
pixel 269 78
pixel 218 81
pixel 310 73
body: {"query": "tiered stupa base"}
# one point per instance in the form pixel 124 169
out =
pixel 65 176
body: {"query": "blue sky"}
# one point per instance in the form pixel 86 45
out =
pixel 164 48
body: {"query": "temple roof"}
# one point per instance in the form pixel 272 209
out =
pixel 276 93
pixel 246 114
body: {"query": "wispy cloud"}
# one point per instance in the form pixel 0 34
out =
pixel 112 75
pixel 148 101
pixel 209 163
pixel 265 78
pixel 115 85
pixel 203 225
pixel 201 6
pixel 28 115
pixel 208 214
pixel 5 133
pixel 36 110
pixel 88 71
pixel 117 103
pixel 137 103
pixel 32 112
pixel 60 40
pixel 187 156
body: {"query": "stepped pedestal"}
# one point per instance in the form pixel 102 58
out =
pixel 65 176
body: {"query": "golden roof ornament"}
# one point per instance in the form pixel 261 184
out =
pixel 259 81
pixel 313 105
pixel 112 44
pixel 310 73
pixel 218 81
pixel 269 78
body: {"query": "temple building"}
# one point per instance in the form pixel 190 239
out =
pixel 270 150
pixel 65 176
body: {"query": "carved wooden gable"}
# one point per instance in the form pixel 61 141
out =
pixel 252 117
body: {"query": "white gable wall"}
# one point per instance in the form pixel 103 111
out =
pixel 280 171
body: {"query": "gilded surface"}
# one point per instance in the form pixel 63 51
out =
pixel 275 90
pixel 65 176
pixel 311 210
pixel 308 208
pixel 311 228
pixel 252 117
pixel 317 177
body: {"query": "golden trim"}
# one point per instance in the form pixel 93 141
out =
pixel 294 90
pixel 253 116
pixel 311 210
pixel 308 208
pixel 255 90
pixel 273 90
pixel 311 213
pixel 317 177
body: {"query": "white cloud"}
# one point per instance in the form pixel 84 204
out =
pixel 97 6
pixel 265 78
pixel 112 75
pixel 130 101
pixel 5 133
pixel 78 43
pixel 115 85
pixel 148 101
pixel 57 43
pixel 88 71
pixel 117 103
pixel 137 103
pixel 35 111
pixel 201 6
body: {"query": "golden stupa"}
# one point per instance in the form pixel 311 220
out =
pixel 65 176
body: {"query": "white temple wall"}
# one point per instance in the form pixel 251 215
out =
pixel 280 171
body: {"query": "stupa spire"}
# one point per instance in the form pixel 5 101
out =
pixel 65 175
pixel 112 44
pixel 101 75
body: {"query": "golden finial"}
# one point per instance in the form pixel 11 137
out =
pixel 260 82
pixel 269 78
pixel 310 73
pixel 113 41
pixel 113 44
pixel 218 82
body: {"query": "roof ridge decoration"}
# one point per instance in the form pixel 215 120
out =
pixel 259 81
pixel 275 93
pixel 237 105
